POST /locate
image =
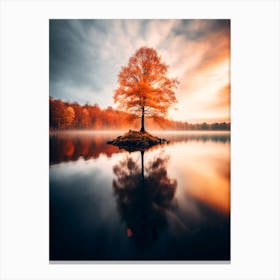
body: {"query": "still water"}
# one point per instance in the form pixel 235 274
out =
pixel 171 202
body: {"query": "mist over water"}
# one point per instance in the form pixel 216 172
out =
pixel 171 202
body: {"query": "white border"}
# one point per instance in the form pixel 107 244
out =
pixel 255 138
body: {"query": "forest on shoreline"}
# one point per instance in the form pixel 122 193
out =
pixel 67 115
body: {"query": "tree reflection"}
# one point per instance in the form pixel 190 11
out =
pixel 143 196
pixel 69 147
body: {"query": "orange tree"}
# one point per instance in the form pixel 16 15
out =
pixel 144 88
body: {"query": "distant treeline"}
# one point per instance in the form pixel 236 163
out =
pixel 66 115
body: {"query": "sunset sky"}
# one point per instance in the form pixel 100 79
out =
pixel 87 55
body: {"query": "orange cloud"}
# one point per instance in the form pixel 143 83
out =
pixel 206 73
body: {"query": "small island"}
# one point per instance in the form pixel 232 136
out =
pixel 137 141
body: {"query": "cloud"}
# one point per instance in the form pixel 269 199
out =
pixel 86 56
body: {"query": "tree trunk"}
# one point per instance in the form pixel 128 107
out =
pixel 142 121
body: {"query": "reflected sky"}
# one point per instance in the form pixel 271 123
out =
pixel 106 205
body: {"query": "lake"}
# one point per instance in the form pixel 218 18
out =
pixel 171 202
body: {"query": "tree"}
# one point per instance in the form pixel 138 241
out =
pixel 57 113
pixel 69 116
pixel 85 118
pixel 144 88
pixel 78 115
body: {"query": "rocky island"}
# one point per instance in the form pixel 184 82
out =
pixel 137 140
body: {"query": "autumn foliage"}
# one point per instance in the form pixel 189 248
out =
pixel 66 115
pixel 144 88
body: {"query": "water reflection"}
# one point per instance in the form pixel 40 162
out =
pixel 197 136
pixel 70 146
pixel 169 203
pixel 143 194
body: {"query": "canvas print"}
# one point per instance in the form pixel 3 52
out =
pixel 139 131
